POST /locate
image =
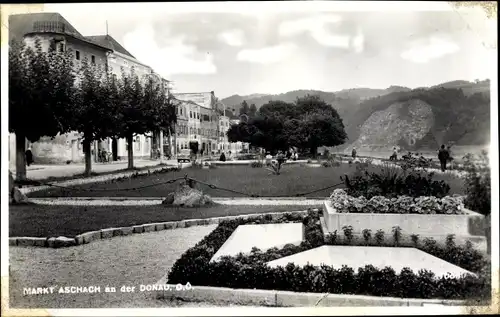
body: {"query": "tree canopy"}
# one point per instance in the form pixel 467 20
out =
pixel 307 124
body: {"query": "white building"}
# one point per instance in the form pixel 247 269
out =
pixel 121 60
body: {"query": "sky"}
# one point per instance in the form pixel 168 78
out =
pixel 268 47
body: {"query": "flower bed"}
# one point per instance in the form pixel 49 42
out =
pixel 449 205
pixel 251 271
pixel 427 216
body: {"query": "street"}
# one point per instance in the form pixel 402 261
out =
pixel 37 172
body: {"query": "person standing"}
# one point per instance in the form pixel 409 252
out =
pixel 29 157
pixel 443 156
pixel 280 158
pixel 222 157
pixel 354 153
pixel 450 156
pixel 394 156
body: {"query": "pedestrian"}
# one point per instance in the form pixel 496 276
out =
pixel 222 157
pixel 295 156
pixel 394 156
pixel 269 158
pixel 450 156
pixel 29 157
pixel 354 153
pixel 443 156
pixel 280 158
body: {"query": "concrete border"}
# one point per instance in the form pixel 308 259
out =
pixel 422 224
pixel 108 233
pixel 275 298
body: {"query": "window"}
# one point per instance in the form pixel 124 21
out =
pixel 199 131
pixel 92 58
pixel 61 47
pixel 190 114
pixel 198 115
pixel 77 55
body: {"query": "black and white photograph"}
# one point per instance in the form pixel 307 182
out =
pixel 249 157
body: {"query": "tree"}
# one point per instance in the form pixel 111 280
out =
pixel 132 114
pixel 307 124
pixel 41 88
pixel 253 111
pixel 320 124
pixel 95 107
pixel 244 108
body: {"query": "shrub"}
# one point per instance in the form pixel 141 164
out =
pixel 414 239
pixel 379 236
pixel 392 181
pixel 348 233
pixel 326 164
pixel 367 235
pixel 345 203
pixel 477 183
pixel 331 239
pixel 256 164
pixel 396 234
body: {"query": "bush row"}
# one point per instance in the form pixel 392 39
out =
pixel 344 203
pixel 250 271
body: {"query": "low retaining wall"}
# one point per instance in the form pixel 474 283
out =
pixel 274 298
pixel 479 243
pixel 426 224
pixel 90 236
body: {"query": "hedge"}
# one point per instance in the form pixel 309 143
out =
pixel 250 271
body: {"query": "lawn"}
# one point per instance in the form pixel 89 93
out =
pixel 294 179
pixel 69 221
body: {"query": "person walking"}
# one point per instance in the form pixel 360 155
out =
pixel 222 157
pixel 443 156
pixel 29 156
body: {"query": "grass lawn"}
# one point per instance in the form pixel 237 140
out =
pixel 294 179
pixel 69 221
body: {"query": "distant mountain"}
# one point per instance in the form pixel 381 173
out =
pixel 455 111
pixel 340 99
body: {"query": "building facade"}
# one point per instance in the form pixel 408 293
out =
pixel 51 30
pixel 120 61
pixel 196 121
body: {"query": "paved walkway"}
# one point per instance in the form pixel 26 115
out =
pixel 120 261
pixel 37 172
pixel 112 201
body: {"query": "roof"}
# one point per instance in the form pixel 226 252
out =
pixel 109 42
pixel 32 23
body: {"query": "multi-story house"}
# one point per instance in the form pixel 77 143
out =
pixel 197 121
pixel 51 30
pixel 122 61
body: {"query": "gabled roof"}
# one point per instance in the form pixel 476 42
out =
pixel 23 24
pixel 109 42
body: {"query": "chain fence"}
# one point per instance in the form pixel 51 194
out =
pixel 172 181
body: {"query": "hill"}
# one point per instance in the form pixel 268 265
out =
pixel 456 112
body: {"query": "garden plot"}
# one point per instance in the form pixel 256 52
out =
pixel 379 257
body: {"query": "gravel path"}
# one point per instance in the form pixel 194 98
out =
pixel 149 202
pixel 131 261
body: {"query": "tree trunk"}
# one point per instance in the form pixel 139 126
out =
pixel 20 157
pixel 88 157
pixel 130 151
pixel 114 149
pixel 314 151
